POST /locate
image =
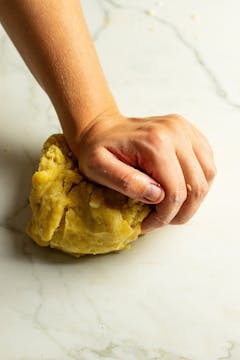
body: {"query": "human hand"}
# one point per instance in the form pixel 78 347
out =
pixel 160 160
pixel 154 160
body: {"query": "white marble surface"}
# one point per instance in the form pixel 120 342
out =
pixel 176 294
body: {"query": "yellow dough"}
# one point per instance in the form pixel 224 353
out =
pixel 77 216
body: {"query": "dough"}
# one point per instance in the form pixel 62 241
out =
pixel 75 215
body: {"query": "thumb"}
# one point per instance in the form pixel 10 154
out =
pixel 117 175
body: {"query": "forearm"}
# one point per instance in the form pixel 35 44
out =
pixel 53 39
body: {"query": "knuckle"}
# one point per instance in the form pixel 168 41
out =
pixel 126 181
pixel 161 218
pixel 176 117
pixel 178 123
pixel 211 172
pixel 161 221
pixel 200 191
pixel 178 195
pixel 157 137
pixel 177 120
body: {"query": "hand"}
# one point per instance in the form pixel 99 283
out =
pixel 160 160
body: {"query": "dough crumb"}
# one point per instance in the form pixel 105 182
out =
pixel 75 215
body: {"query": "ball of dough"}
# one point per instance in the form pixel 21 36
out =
pixel 75 215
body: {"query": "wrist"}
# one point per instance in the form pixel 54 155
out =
pixel 80 124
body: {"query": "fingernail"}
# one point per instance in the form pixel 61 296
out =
pixel 154 193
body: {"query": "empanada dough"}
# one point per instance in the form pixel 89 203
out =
pixel 77 216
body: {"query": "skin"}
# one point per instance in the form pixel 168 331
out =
pixel 162 160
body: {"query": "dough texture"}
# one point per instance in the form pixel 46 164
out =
pixel 75 215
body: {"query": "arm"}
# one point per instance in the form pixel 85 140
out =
pixel 52 37
pixel 153 159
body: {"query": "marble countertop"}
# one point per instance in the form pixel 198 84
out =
pixel 176 294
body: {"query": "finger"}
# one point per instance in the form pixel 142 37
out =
pixel 202 142
pixel 170 175
pixel 109 171
pixel 197 187
pixel 205 158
